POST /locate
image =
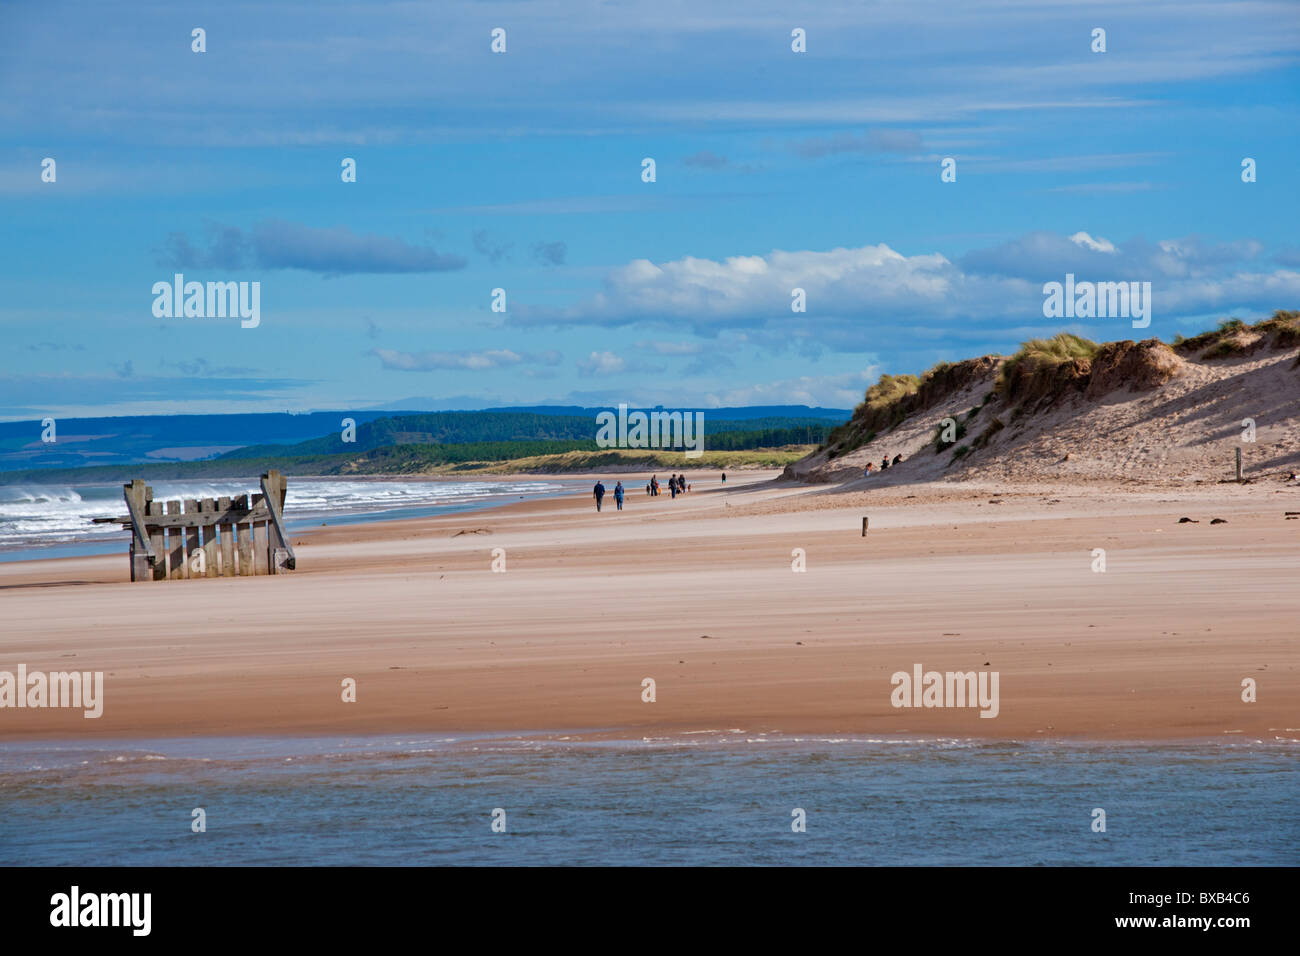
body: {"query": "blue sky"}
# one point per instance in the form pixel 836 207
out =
pixel 522 171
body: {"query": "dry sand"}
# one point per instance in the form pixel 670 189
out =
pixel 699 595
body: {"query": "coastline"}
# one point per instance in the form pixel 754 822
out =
pixel 699 594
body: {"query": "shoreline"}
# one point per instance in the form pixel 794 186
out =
pixel 260 746
pixel 698 594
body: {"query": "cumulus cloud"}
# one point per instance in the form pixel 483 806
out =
pixel 1096 245
pixel 277 244
pixel 602 363
pixel 872 297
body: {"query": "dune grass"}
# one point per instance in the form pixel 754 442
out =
pixel 1042 354
pixel 1233 337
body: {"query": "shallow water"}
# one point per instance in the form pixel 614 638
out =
pixel 713 798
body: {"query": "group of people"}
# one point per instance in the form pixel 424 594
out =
pixel 884 463
pixel 599 494
pixel 676 485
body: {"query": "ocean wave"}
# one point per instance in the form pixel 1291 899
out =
pixel 33 515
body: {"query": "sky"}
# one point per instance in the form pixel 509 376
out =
pixel 524 171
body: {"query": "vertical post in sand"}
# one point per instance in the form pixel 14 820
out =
pixel 243 537
pixel 142 553
pixel 176 543
pixel 1239 464
pixel 157 538
pixel 279 551
pixel 191 539
pixel 227 540
pixel 864 526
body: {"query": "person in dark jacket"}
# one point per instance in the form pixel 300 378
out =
pixel 598 493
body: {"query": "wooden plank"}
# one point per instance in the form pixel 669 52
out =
pixel 244 539
pixel 211 542
pixel 157 539
pixel 141 551
pixel 281 556
pixel 257 538
pixel 227 541
pixel 191 537
pixel 176 554
pixel 202 519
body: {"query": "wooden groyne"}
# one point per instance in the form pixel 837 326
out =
pixel 207 537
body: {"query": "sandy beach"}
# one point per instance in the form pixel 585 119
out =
pixel 699 594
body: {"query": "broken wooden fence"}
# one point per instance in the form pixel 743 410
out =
pixel 209 537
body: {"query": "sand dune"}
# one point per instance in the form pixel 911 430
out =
pixel 1118 427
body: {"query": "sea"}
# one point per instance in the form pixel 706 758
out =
pixel 53 521
pixel 721 797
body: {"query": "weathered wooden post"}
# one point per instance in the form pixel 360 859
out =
pixel 176 545
pixel 244 538
pixel 864 526
pixel 142 554
pixel 227 541
pixel 278 550
pixel 157 538
pixel 1239 463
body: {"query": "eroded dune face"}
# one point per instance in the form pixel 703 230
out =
pixel 1141 411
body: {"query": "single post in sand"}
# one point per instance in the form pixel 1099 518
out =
pixel 864 526
pixel 138 497
pixel 279 552
pixel 1239 463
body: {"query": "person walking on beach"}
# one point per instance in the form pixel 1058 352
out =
pixel 672 485
pixel 618 495
pixel 599 493
pixel 724 477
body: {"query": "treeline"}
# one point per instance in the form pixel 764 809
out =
pixel 479 428
pixel 405 458
pixel 809 434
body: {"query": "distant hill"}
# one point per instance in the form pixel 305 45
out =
pixel 84 442
pixel 730 413
pixel 136 438
pixel 503 425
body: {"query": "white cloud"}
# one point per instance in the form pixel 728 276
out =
pixel 831 391
pixel 873 297
pixel 1096 245
pixel 602 363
